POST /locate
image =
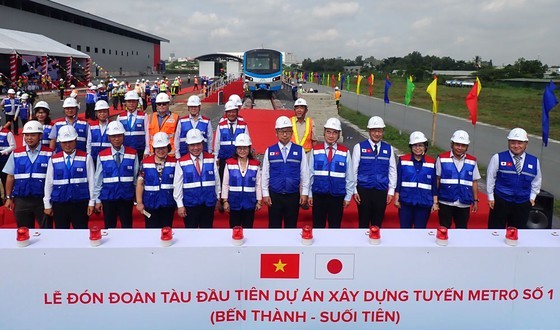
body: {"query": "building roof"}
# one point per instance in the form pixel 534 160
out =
pixel 72 15
pixel 25 43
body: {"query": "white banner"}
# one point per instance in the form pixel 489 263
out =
pixel 273 281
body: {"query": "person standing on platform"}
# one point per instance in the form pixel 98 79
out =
pixel 513 182
pixel 24 111
pixel 303 127
pixel 195 87
pixel 61 88
pixel 375 169
pixel 285 177
pixel 416 192
pixel 136 124
pixel 332 178
pixel 10 106
pixel 97 139
pixel 457 175
pixel 91 99
pixel 193 120
pixel 25 185
pixel 294 91
pixel 115 177
pixel 154 188
pixel 69 183
pixel 42 115
pixel 153 96
pixel 196 185
pixel 7 145
pixel 241 188
pixel 81 127
pixel 337 96
pixel 163 121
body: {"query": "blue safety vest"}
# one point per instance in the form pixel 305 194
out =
pixel 242 189
pixel 158 188
pixel 135 136
pixel 91 96
pixel 24 111
pixel 455 185
pixel 118 182
pixel 81 127
pixel 285 177
pixel 416 186
pixel 513 187
pixel 199 189
pixel 45 141
pixel 329 178
pixel 7 102
pixel 373 171
pixel 186 126
pixel 30 177
pixel 227 148
pixel 70 185
pixel 4 144
pixel 99 141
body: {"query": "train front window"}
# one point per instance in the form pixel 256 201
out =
pixel 263 63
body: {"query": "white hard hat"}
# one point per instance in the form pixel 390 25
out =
pixel 336 88
pixel 89 84
pixel 18 93
pixel 161 140
pixel 283 122
pixel 375 122
pixel 460 136
pixel 243 140
pixel 417 137
pixel 131 96
pixel 300 85
pixel 115 128
pixel 72 86
pixel 300 101
pixel 153 88
pixel 147 81
pixel 67 133
pixel 194 136
pixel 333 123
pixel 42 104
pixel 70 103
pixel 235 98
pixel 101 105
pixel 230 105
pixel 100 86
pixel 193 101
pixel 24 96
pixel 32 126
pixel 518 134
pixel 162 98
pixel 11 91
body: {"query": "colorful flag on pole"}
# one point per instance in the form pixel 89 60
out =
pixel 333 81
pixel 358 82
pixel 328 80
pixel 275 265
pixel 409 90
pixel 387 86
pixel 371 79
pixel 549 101
pixel 348 82
pixel 432 90
pixel 342 79
pixel 472 100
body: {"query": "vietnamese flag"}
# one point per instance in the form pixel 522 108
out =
pixel 472 100
pixel 279 265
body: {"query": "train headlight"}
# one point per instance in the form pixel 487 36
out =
pixel 276 78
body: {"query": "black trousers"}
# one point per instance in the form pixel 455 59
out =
pixel 162 217
pixel 507 214
pixel 3 176
pixel 27 210
pixel 90 112
pixel 243 218
pixel 117 208
pixel 285 207
pixel 70 213
pixel 327 208
pixel 448 213
pixel 200 216
pixel 14 127
pixel 371 210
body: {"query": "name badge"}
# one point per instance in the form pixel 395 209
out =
pixel 44 165
pixel 79 169
pixel 129 167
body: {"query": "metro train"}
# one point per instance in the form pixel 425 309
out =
pixel 263 69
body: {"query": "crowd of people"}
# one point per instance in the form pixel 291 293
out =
pixel 161 164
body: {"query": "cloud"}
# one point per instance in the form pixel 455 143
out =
pixel 337 9
pixel 422 23
pixel 328 35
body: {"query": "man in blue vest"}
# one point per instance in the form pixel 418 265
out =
pixel 332 178
pixel 136 124
pixel 193 120
pixel 25 186
pixel 97 138
pixel 285 177
pixel 115 179
pixel 457 176
pixel 513 183
pixel 10 105
pixel 69 183
pixel 91 98
pixel 81 127
pixel 375 168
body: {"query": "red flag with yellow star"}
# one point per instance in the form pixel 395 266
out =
pixel 279 265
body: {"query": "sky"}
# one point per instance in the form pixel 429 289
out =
pixel 498 30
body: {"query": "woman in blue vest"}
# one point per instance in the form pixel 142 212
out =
pixel 241 189
pixel 24 110
pixel 42 115
pixel 154 188
pixel 416 192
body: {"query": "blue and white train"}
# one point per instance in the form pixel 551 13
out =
pixel 263 69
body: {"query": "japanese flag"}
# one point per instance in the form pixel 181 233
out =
pixel 334 266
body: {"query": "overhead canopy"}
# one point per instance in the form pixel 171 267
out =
pixel 25 43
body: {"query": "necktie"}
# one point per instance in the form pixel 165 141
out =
pixel 285 153
pixel 329 157
pixel 231 128
pixel 130 119
pixel 517 163
pixel 197 165
pixel 375 151
pixel 68 161
pixel 118 159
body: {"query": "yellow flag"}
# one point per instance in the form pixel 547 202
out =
pixel 358 84
pixel 432 90
pixel 479 88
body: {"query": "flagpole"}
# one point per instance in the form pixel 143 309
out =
pixel 474 140
pixel 404 119
pixel 434 128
